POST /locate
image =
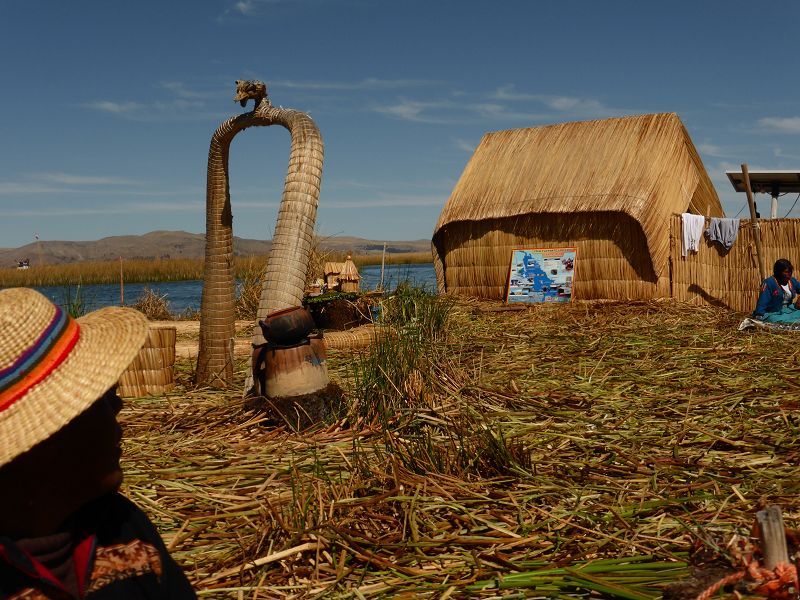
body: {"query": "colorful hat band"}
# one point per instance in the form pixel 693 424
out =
pixel 40 359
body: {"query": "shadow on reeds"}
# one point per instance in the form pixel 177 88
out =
pixel 712 300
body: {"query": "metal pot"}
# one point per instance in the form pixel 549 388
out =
pixel 288 326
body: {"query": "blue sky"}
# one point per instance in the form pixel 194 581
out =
pixel 108 107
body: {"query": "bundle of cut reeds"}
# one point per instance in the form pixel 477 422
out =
pixel 151 372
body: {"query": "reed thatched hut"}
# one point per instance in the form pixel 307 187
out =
pixel 342 276
pixel 349 279
pixel 607 187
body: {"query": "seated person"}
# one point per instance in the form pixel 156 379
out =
pixel 776 302
pixel 65 531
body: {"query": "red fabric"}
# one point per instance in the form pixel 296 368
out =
pixel 39 571
pixel 84 552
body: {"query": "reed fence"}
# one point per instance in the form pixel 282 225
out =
pixel 731 278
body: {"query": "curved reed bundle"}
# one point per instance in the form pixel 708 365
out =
pixel 357 337
pixel 285 274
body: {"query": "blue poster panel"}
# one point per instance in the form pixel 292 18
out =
pixel 541 275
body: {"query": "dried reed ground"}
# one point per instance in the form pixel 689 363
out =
pixel 619 430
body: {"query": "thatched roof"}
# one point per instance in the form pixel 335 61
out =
pixel 349 271
pixel 333 268
pixel 644 166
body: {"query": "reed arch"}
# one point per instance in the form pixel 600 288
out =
pixel 285 275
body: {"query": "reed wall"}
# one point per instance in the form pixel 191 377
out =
pixel 730 279
pixel 612 261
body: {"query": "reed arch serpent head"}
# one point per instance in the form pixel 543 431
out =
pixel 285 275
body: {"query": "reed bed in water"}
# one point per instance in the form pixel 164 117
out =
pixel 172 269
pixel 562 451
pixel 134 271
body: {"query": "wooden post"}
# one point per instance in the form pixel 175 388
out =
pixel 38 248
pixel 383 263
pixel 759 255
pixel 773 536
pixel 121 285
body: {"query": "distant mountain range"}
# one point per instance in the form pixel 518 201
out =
pixel 178 244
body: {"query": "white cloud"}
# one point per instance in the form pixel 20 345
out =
pixel 571 105
pixel 781 124
pixel 181 90
pixel 180 102
pixel 172 109
pixel 177 104
pixel 709 149
pixel 464 145
pixel 715 151
pixel 509 93
pixel 354 184
pixel 252 8
pixel 45 184
pixel 68 179
pixel 117 108
pixel 11 188
pixel 450 112
pixel 504 104
pixel 390 200
pixel 367 84
pixel 382 185
pixel 579 105
pixel 190 206
pixel 197 192
pixel 245 7
pixel 119 209
pixel 491 110
pixel 378 200
pixel 413 110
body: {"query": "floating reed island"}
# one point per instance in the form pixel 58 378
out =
pixel 593 449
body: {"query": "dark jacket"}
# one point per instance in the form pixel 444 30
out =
pixel 771 297
pixel 116 553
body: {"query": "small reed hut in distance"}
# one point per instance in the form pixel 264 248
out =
pixel 342 277
pixel 607 187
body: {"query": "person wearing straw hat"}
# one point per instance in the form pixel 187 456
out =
pixel 65 531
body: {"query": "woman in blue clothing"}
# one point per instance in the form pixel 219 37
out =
pixel 776 302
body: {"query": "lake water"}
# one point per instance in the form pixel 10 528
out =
pixel 183 295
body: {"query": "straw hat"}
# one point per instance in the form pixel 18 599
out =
pixel 53 367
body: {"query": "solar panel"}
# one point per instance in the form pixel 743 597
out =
pixel 767 182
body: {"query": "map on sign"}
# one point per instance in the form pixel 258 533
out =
pixel 541 275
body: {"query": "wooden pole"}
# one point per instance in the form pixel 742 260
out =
pixel 38 248
pixel 383 263
pixel 121 285
pixel 773 536
pixel 751 203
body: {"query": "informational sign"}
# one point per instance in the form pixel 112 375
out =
pixel 541 275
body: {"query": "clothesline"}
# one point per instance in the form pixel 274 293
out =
pixel 788 212
pixel 722 230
